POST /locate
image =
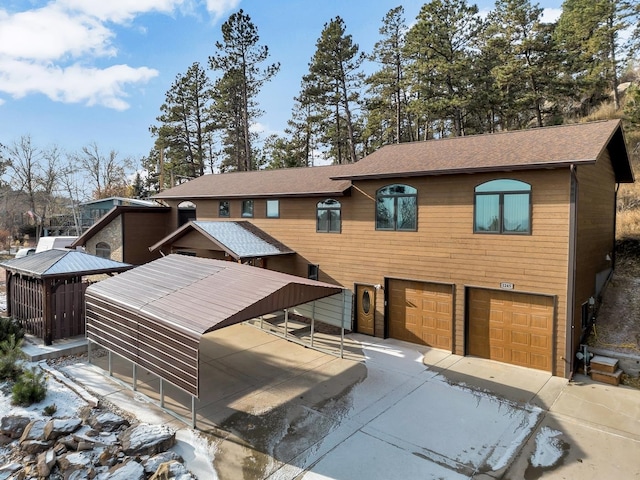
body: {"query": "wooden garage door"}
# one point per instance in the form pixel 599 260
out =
pixel 421 312
pixel 511 327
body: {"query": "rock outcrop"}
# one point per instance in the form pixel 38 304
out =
pixel 101 445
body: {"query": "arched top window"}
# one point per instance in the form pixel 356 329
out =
pixel 329 216
pixel 103 250
pixel 186 212
pixel 503 206
pixel 397 208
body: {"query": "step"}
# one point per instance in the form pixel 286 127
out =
pixel 606 377
pixel 604 364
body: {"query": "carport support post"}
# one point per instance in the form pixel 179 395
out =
pixel 344 302
pixel 161 393
pixel 135 377
pixel 193 411
pixel 313 319
pixel 110 366
pixel 286 322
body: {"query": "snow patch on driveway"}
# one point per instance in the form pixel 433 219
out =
pixel 548 448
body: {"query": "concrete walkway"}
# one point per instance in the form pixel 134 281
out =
pixel 274 409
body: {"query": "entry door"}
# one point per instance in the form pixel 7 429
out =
pixel 366 300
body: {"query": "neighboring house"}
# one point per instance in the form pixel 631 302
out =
pixel 87 214
pixel 493 245
pixel 94 210
pixel 125 233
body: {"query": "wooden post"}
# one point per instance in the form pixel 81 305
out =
pixel 47 312
pixel 8 282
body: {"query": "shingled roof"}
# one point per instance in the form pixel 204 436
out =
pixel 285 182
pixel 549 147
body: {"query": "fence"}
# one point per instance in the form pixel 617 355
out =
pixel 67 306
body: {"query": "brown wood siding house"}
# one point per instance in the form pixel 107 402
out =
pixel 515 295
pixel 128 231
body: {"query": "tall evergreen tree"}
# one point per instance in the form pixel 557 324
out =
pixel 333 85
pixel 588 30
pixel 527 70
pixel 185 126
pixel 387 120
pixel 442 45
pixel 238 60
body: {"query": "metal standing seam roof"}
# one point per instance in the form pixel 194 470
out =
pixel 154 315
pixel 548 147
pixel 241 239
pixel 199 295
pixel 59 262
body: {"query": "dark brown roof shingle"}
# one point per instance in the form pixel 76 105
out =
pixel 286 182
pixel 547 147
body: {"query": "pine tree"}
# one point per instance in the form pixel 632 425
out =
pixel 333 86
pixel 185 126
pixel 588 31
pixel 387 120
pixel 238 60
pixel 441 45
pixel 527 68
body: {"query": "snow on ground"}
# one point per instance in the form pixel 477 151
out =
pixel 66 401
pixel 548 448
pixel 406 421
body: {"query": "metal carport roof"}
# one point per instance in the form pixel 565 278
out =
pixel 155 314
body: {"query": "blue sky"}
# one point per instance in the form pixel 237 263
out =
pixel 75 72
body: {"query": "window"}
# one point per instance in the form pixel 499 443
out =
pixel 503 206
pixel 247 208
pixel 397 208
pixel 223 209
pixel 328 216
pixel 186 212
pixel 273 208
pixel 103 250
pixel 312 271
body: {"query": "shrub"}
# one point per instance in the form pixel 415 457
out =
pixel 31 387
pixel 10 327
pixel 11 356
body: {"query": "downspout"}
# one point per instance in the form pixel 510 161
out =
pixel 571 278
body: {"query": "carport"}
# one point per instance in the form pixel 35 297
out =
pixel 155 315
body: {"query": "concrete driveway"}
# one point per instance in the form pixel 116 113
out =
pixel 274 409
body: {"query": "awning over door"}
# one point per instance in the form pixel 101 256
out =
pixel 155 314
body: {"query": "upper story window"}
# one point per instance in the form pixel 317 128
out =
pixel 247 208
pixel 103 250
pixel 328 216
pixel 502 206
pixel 273 208
pixel 397 208
pixel 223 209
pixel 186 212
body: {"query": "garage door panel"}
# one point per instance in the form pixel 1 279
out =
pixel 511 327
pixel 421 312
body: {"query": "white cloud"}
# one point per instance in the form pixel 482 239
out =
pixel 120 10
pixel 50 33
pixel 72 84
pixel 52 50
pixel 217 8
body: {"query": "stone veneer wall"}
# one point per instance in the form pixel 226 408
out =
pixel 112 235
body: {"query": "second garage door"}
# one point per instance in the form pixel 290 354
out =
pixel 421 312
pixel 511 327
